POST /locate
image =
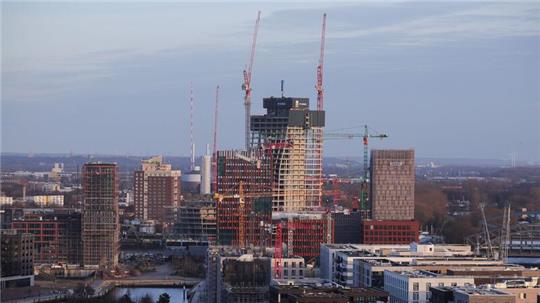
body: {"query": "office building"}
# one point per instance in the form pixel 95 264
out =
pixel 291 133
pixel 156 188
pixel 100 226
pixel 392 185
pixel 17 259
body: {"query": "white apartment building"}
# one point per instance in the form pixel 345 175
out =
pixel 413 286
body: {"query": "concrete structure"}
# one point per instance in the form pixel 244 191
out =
pixel 57 235
pixel 100 226
pixel 206 175
pixel 157 191
pixel 392 185
pixel 389 232
pixel 252 168
pixel 48 200
pixel 292 133
pixel 414 286
pixel 470 294
pixel 293 268
pixel 17 259
pixel 197 221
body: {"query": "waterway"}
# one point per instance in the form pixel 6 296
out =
pixel 178 295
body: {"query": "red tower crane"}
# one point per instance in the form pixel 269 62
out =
pixel 246 86
pixel 278 252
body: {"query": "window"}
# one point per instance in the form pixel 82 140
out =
pixel 415 286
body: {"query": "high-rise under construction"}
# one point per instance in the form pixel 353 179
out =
pixel 293 135
pixel 100 225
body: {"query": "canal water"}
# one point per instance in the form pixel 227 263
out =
pixel 178 295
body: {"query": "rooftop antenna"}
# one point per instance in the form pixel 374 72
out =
pixel 282 84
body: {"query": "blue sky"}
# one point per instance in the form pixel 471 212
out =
pixel 450 79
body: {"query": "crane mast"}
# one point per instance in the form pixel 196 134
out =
pixel 191 104
pixel 246 86
pixel 320 68
pixel 214 147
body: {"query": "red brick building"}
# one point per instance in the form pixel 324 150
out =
pixel 389 232
pixel 156 191
pixel 392 184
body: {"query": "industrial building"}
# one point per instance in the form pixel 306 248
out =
pixel 293 134
pixel 157 191
pixel 17 259
pixel 392 185
pixel 100 225
pixel 57 235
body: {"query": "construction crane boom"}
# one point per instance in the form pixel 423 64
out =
pixel 486 230
pixel 365 141
pixel 246 86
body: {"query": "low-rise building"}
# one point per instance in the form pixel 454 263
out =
pixel 469 294
pixel 48 200
pixel 414 286
pixel 322 291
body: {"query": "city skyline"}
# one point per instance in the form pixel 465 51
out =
pixel 448 79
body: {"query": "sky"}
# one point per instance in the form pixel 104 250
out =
pixel 449 79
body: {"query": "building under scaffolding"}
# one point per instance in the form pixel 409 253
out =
pixel 100 225
pixel 236 276
pixel 243 198
pixel 303 232
pixel 292 133
pixel 197 221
